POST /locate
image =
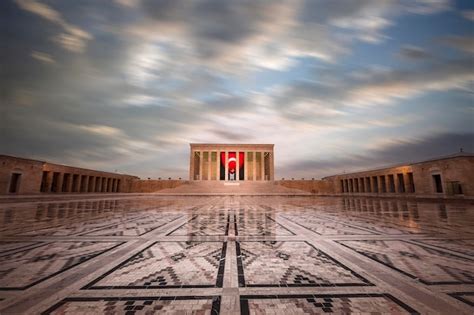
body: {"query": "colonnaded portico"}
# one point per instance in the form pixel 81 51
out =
pixel 231 162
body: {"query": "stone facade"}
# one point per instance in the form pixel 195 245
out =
pixel 206 162
pixel 20 176
pixel 153 185
pixel 444 177
pixel 315 186
pixel 25 176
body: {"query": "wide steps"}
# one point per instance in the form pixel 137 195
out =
pixel 241 187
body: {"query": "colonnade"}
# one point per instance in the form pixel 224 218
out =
pixel 58 182
pixel 207 165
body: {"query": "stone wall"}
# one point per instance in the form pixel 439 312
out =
pixel 29 180
pixel 320 187
pixel 446 177
pixel 78 180
pixel 34 177
pixel 151 185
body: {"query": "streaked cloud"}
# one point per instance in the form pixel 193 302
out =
pixel 128 84
pixel 43 57
pixel 73 39
pixel 464 43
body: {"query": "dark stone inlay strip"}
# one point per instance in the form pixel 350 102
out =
pixel 244 306
pixel 216 301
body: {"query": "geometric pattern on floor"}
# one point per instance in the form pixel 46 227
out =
pixel 79 228
pixel 259 224
pixel 323 226
pixel 463 246
pixel 430 266
pixel 23 269
pixel 168 265
pixel 291 263
pixel 10 246
pixel 322 304
pixel 204 225
pixel 34 222
pixel 136 227
pixel 138 305
pixel 378 226
pixel 465 297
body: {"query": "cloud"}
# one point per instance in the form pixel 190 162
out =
pixel 148 77
pixel 73 39
pixel 415 53
pixel 43 57
pixel 321 98
pixel 468 14
pixel 239 35
pixel 393 152
pixel 463 43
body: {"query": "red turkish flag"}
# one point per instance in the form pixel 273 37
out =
pixel 232 160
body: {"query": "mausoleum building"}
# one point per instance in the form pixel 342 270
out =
pixel 231 162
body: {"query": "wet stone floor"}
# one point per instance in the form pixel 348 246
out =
pixel 236 255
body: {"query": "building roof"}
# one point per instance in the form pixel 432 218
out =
pixel 445 157
pixel 233 145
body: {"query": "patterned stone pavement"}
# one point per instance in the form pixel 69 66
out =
pixel 236 255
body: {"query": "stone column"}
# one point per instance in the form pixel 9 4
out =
pixel 272 169
pixel 200 164
pixel 254 165
pixel 208 173
pixel 191 164
pixel 237 163
pixel 245 166
pixel 218 163
pixel 262 166
pixel 226 166
pixel 91 187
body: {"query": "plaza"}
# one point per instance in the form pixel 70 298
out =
pixel 126 254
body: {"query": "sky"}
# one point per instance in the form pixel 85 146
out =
pixel 337 86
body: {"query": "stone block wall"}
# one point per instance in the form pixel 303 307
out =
pixel 152 185
pixel 28 178
pixel 446 177
pixel 320 187
pixel 25 176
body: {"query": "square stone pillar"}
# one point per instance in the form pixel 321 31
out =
pixel 226 165
pixel 245 166
pixel 91 185
pixel 272 169
pixel 218 165
pixel 254 166
pixel 208 165
pixel 262 167
pixel 191 164
pixel 237 163
pixel 200 164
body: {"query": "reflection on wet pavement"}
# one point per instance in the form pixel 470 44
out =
pixel 232 254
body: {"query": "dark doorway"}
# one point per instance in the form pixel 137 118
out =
pixel 15 183
pixel 44 182
pixel 437 183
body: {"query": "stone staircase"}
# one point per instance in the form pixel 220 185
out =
pixel 231 188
